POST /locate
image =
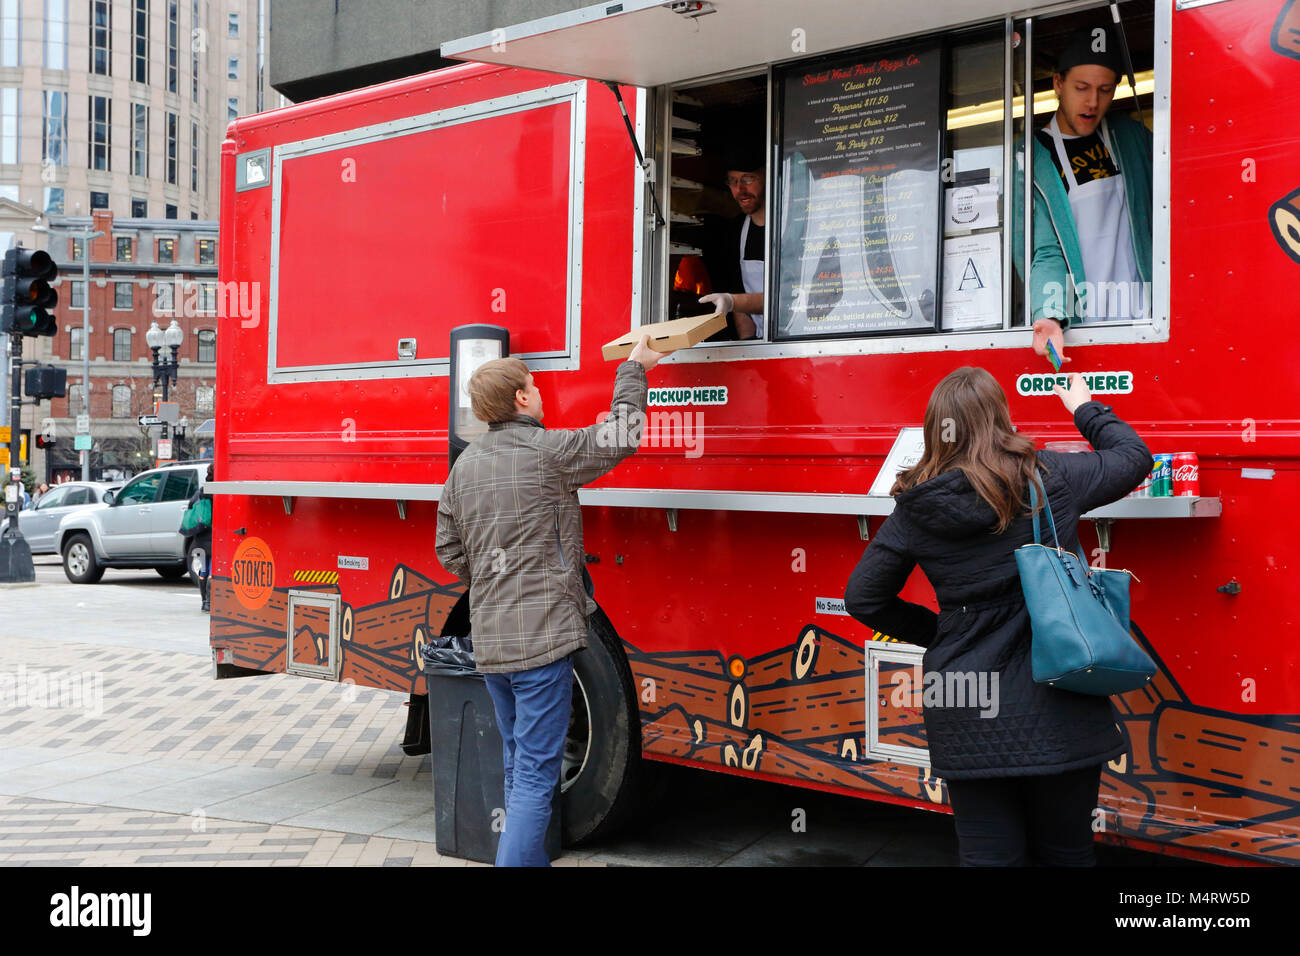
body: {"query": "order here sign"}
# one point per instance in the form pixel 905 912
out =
pixel 1099 383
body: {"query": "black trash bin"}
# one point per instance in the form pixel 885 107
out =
pixel 469 777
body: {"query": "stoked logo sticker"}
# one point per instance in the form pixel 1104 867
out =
pixel 252 572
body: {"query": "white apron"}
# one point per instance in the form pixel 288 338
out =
pixel 1100 209
pixel 751 276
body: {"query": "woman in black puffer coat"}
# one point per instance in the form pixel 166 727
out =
pixel 1023 771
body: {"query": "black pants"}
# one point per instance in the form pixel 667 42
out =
pixel 1010 821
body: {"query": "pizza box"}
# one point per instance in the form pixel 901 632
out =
pixel 667 336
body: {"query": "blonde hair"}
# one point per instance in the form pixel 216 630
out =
pixel 492 389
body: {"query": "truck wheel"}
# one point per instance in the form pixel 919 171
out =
pixel 79 562
pixel 601 774
pixel 173 572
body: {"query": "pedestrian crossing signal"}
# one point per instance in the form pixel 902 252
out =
pixel 28 298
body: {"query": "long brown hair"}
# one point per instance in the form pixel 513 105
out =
pixel 968 426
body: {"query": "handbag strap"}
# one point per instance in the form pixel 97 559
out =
pixel 1047 506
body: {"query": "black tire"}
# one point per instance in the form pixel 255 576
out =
pixel 173 572
pixel 79 553
pixel 603 792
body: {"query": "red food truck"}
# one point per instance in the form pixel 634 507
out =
pixel 358 231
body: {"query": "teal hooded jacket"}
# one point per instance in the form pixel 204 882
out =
pixel 1056 281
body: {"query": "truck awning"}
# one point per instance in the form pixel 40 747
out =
pixel 649 42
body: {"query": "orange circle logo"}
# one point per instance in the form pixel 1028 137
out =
pixel 252 572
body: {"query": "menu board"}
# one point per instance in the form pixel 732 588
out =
pixel 859 217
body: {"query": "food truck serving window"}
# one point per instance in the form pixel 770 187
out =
pixel 893 186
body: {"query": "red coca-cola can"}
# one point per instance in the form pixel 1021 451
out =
pixel 1187 475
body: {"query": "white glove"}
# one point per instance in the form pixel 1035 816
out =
pixel 722 302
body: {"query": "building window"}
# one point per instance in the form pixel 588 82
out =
pixel 101 37
pixel 208 303
pixel 139 208
pixel 194 156
pixel 140 41
pixel 166 250
pixel 10 33
pixel 121 401
pixel 124 251
pixel 76 341
pixel 101 132
pixel 207 252
pixel 139 139
pixel 194 215
pixel 232 71
pixel 233 27
pixel 171 148
pixel 195 45
pixel 122 299
pixel 54 200
pixel 121 344
pixel 54 129
pixel 99 200
pixel 9 101
pixel 207 339
pixel 173 47
pixel 170 211
pixel 232 109
pixel 203 399
pixel 76 399
pixel 56 34
pixel 164 296
pixel 77 295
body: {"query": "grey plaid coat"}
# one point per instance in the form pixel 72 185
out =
pixel 510 527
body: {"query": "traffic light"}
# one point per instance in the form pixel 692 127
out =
pixel 28 297
pixel 46 381
pixel 45 441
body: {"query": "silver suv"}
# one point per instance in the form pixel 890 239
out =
pixel 140 528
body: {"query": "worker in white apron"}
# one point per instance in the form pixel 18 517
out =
pixel 746 181
pixel 1101 219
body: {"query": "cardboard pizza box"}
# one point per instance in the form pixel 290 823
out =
pixel 667 336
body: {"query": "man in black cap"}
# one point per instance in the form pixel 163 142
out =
pixel 735 261
pixel 1092 199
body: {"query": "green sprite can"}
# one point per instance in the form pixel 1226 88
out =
pixel 1162 477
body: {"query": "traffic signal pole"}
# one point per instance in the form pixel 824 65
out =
pixel 15 555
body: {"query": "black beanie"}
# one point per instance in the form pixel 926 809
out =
pixel 1092 46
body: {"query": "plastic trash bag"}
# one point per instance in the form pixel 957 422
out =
pixel 450 657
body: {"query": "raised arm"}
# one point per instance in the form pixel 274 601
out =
pixel 1120 461
pixel 872 592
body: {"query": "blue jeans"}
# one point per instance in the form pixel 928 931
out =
pixel 532 710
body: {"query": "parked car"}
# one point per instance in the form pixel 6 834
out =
pixel 138 529
pixel 39 524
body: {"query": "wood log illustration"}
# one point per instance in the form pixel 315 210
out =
pixel 668 733
pixel 311 634
pixel 259 651
pixel 1222 750
pixel 272 616
pixel 696 693
pixel 389 627
pixel 831 706
pixel 780 758
pixel 1282 846
pixel 817 653
pixel 407 581
pixel 1128 797
pixel 225 629
pixel 705 662
pixel 368 669
pixel 1158 690
pixel 711 739
pixel 347 620
pixel 1138 761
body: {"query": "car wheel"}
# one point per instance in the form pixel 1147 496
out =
pixel 602 773
pixel 196 557
pixel 173 572
pixel 79 563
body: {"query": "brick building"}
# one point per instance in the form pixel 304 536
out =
pixel 141 271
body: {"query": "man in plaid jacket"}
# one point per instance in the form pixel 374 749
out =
pixel 510 527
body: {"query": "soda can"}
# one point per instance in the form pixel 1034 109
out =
pixel 1143 490
pixel 1187 475
pixel 1162 477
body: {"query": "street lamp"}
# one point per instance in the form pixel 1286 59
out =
pixel 164 370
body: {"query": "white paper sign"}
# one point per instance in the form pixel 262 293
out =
pixel 908 448
pixel 471 353
pixel 972 282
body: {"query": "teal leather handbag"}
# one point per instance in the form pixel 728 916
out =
pixel 1079 616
